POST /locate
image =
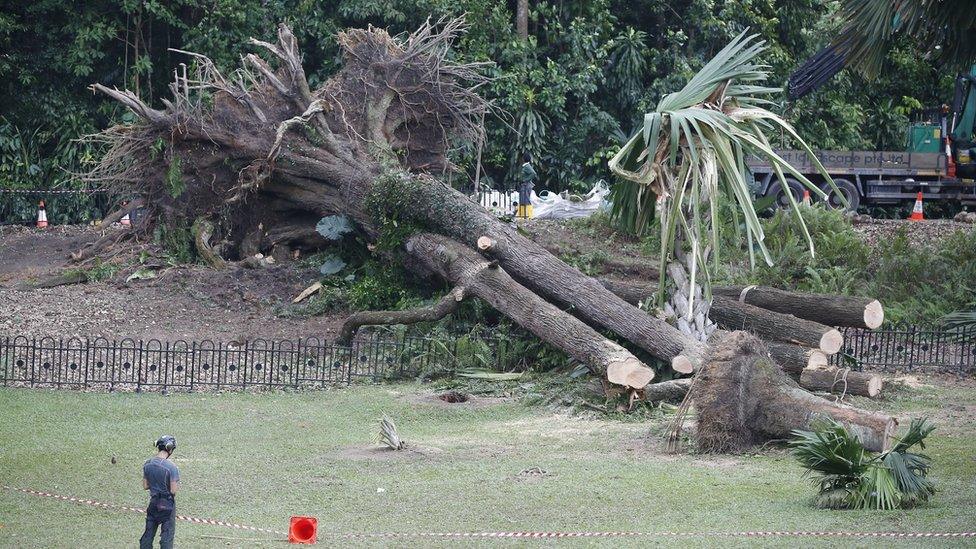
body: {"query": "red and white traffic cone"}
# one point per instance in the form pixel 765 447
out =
pixel 41 215
pixel 125 221
pixel 917 209
pixel 806 197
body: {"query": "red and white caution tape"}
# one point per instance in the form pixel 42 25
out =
pixel 524 535
pixel 142 511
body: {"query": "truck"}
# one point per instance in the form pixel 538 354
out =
pixel 939 161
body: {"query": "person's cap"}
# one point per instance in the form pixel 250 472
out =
pixel 166 442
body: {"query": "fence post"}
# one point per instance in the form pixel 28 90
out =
pixel 138 360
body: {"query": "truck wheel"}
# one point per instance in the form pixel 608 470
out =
pixel 782 201
pixel 847 189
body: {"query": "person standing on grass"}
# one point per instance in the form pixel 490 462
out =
pixel 162 478
pixel 527 178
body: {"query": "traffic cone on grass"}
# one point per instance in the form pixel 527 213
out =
pixel 917 209
pixel 41 215
pixel 302 530
pixel 806 197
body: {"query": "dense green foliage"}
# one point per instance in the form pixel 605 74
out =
pixel 848 476
pixel 569 95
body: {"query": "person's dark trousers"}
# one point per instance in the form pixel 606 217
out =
pixel 156 518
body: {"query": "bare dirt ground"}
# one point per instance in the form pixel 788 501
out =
pixel 187 302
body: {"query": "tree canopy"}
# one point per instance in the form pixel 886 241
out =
pixel 570 94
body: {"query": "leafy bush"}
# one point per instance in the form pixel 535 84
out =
pixel 848 476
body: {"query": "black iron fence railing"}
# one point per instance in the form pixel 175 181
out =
pixel 138 365
pixel 63 207
pixel 908 347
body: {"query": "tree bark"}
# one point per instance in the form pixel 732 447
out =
pixel 667 391
pixel 832 310
pixel 840 381
pixel 733 315
pixel 793 359
pixel 539 270
pixel 445 306
pixel 522 19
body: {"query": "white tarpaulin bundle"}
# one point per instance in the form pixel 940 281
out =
pixel 549 205
pixel 566 206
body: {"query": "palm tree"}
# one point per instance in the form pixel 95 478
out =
pixel 689 152
pixel 945 29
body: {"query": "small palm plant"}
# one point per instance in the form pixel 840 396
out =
pixel 850 477
pixel 691 151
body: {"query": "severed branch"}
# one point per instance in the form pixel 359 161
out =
pixel 445 306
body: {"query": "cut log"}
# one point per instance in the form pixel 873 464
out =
pixel 793 359
pixel 840 381
pixel 464 267
pixel 667 391
pixel 733 315
pixel 832 310
pixel 743 399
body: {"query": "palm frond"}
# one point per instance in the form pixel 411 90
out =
pixel 943 28
pixel 849 476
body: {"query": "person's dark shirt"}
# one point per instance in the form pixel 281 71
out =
pixel 159 472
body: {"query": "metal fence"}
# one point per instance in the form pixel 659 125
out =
pixel 910 347
pixel 138 365
pixel 63 207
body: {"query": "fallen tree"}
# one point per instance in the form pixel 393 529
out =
pixel 259 158
pixel 256 159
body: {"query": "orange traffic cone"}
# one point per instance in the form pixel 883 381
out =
pixel 917 210
pixel 41 215
pixel 302 530
pixel 806 197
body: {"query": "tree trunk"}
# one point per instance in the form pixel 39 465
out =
pixel 733 315
pixel 793 359
pixel 464 267
pixel 522 19
pixel 832 310
pixel 742 400
pixel 841 381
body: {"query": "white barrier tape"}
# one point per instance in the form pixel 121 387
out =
pixel 101 505
pixel 547 535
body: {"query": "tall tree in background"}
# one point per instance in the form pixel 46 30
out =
pixel 522 19
pixel 689 153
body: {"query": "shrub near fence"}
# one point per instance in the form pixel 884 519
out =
pixel 910 347
pixel 129 364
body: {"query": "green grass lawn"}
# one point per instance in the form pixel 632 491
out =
pixel 259 458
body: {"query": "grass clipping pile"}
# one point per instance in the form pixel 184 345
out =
pixel 743 399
